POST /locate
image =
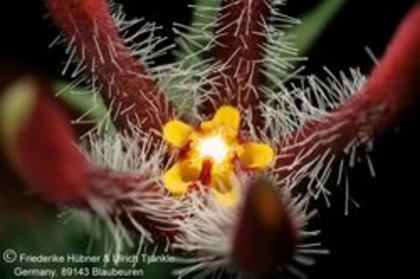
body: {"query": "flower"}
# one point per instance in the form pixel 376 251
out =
pixel 209 154
pixel 271 142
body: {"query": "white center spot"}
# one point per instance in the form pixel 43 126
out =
pixel 214 147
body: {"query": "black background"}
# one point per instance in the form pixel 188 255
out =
pixel 377 239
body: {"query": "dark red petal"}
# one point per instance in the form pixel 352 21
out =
pixel 117 190
pixel 42 146
pixel 267 236
pixel 132 95
pixel 393 87
pixel 239 50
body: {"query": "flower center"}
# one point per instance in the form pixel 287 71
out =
pixel 210 154
pixel 213 147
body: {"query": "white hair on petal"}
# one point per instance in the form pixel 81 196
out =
pixel 280 52
pixel 308 99
pixel 144 45
pixel 190 82
pixel 312 100
pixel 210 227
pixel 207 233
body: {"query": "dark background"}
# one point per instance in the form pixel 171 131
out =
pixel 377 239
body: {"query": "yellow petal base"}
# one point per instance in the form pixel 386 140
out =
pixel 216 141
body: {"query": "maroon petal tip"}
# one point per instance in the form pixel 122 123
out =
pixel 267 236
pixel 40 142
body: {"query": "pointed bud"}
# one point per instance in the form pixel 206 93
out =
pixel 40 143
pixel 266 236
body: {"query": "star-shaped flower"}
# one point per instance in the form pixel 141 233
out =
pixel 264 146
pixel 208 154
